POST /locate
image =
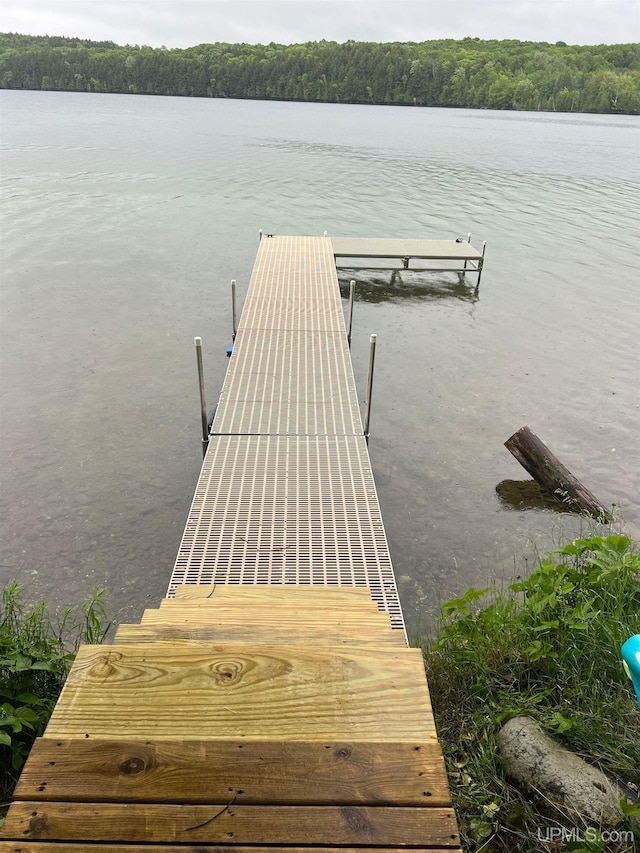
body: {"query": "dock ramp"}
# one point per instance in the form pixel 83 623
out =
pixel 271 702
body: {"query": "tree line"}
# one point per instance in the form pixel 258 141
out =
pixel 507 74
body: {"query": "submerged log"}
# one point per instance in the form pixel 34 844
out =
pixel 536 458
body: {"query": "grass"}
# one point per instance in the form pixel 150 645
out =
pixel 36 653
pixel 547 647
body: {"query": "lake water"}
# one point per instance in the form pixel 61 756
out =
pixel 124 220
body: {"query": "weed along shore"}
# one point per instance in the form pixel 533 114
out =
pixel 547 647
pixel 37 649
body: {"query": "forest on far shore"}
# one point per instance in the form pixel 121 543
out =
pixel 502 75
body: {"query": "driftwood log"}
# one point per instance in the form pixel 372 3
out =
pixel 536 458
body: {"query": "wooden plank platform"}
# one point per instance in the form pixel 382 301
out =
pixel 231 605
pixel 272 704
pixel 164 743
pixel 201 690
pixel 260 635
pixel 27 846
pixel 292 593
pixel 255 772
pixel 277 615
pixel 228 823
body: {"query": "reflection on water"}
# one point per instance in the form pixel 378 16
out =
pixel 377 285
pixel 527 494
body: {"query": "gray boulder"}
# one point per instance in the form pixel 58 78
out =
pixel 560 778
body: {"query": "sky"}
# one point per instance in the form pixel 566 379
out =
pixel 190 22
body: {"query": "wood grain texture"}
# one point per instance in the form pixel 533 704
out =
pixel 312 608
pixel 187 591
pixel 266 616
pixel 200 691
pixel 229 823
pixel 302 608
pixel 84 847
pixel 267 773
pixel 280 592
pixel 302 636
pixel 545 467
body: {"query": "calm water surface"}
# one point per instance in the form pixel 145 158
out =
pixel 125 218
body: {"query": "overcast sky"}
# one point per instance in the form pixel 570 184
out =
pixel 190 22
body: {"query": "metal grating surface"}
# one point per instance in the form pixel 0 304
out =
pixel 294 266
pixel 286 494
pixel 295 510
pixel 294 286
pixel 281 417
pixel 286 313
pixel 289 382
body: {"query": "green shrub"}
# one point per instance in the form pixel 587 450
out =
pixel 547 647
pixel 36 654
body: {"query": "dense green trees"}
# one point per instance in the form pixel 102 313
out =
pixel 467 73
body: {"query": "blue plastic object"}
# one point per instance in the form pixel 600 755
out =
pixel 631 659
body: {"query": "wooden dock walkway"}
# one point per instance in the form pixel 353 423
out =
pixel 271 701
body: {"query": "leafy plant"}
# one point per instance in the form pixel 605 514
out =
pixel 36 654
pixel 548 646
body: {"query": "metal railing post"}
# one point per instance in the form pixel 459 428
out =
pixel 352 291
pixel 233 307
pixel 203 402
pixel 468 241
pixel 480 265
pixel 367 405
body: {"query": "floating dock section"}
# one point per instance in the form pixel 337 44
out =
pixel 270 703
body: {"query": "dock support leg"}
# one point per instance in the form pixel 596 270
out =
pixel 465 263
pixel 203 402
pixel 233 307
pixel 367 405
pixel 480 265
pixel 352 291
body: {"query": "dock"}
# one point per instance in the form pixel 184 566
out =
pixel 271 701
pixel 459 252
